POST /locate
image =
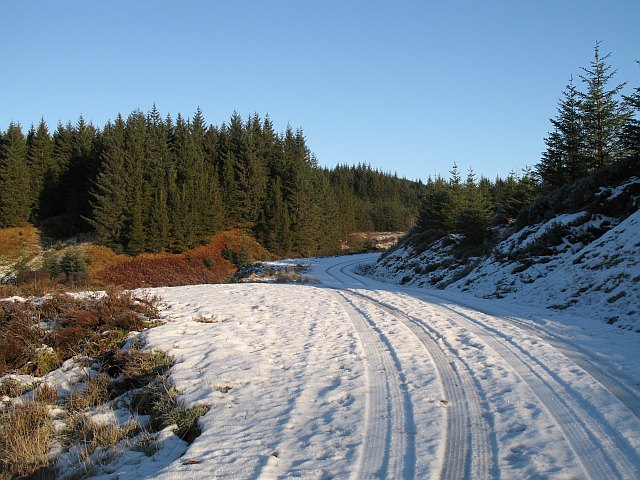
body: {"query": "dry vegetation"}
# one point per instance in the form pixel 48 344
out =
pixel 18 244
pixel 26 435
pixel 37 338
pixel 99 267
pixel 135 378
pixel 205 264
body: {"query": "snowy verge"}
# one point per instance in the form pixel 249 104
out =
pixel 583 263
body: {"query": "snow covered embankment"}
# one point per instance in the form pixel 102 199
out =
pixel 566 263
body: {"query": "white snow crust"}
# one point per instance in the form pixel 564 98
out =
pixel 354 378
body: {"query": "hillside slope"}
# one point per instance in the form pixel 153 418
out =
pixel 585 262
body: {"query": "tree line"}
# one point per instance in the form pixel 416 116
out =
pixel 471 206
pixel 594 128
pixel 145 183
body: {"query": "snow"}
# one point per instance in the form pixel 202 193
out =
pixel 350 377
pixel 354 378
pixel 600 280
pixel 595 279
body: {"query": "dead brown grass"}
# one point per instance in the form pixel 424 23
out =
pixel 88 326
pixel 160 401
pixel 46 394
pixel 89 435
pixel 101 258
pixel 96 391
pixel 94 326
pixel 19 243
pixel 14 388
pixel 20 335
pixel 31 284
pixel 134 367
pixel 26 433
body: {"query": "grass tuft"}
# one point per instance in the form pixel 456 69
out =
pixel 160 401
pixel 97 390
pixel 26 434
pixel 89 435
pixel 46 394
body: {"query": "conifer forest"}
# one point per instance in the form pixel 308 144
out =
pixel 148 183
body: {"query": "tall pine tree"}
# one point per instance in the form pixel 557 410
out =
pixel 604 116
pixel 39 162
pixel 15 198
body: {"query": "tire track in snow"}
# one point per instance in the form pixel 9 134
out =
pixel 342 267
pixel 600 449
pixel 468 446
pixel 388 447
pixel 467 451
pixel 617 386
pixel 626 395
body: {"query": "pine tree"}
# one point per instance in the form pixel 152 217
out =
pixel 56 182
pixel 137 238
pixel 257 167
pixel 80 175
pixel 139 195
pixel 15 198
pixel 238 189
pixel 603 114
pixel 155 178
pixel 109 201
pixel 435 213
pixel 39 162
pixel 180 183
pixel 552 167
pixel 474 217
pixel 631 131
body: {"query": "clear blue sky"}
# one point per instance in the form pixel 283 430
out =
pixel 407 86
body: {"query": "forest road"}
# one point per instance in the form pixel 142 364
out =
pixel 518 402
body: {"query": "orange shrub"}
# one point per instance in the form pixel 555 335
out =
pixel 203 264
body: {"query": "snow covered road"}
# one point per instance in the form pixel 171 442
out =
pixel 352 378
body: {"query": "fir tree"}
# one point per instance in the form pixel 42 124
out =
pixel 155 177
pixel 15 198
pixel 56 181
pixel 109 201
pixel 603 115
pixel 565 158
pixel 39 162
pixel 80 175
pixel 435 213
pixel 474 217
pixel 631 131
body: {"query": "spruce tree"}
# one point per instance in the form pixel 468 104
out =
pixel 137 237
pixel 39 162
pixel 604 116
pixel 474 217
pixel 435 213
pixel 180 182
pixel 565 158
pixel 15 198
pixel 56 181
pixel 631 131
pixel 139 195
pixel 552 169
pixel 80 175
pixel 155 175
pixel 109 195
